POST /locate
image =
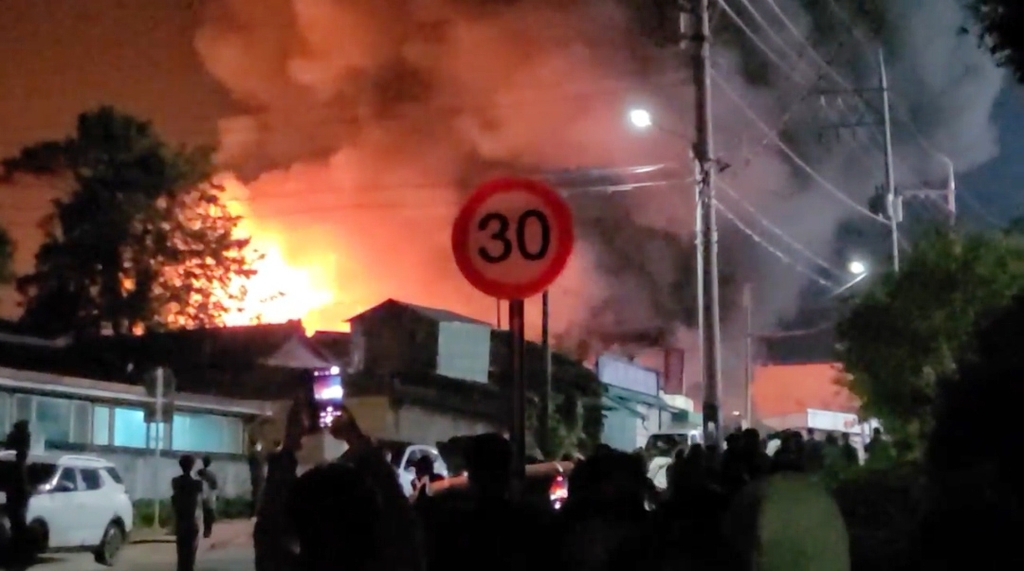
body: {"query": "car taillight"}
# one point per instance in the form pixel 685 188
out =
pixel 559 491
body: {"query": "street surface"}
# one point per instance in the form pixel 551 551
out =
pixel 153 557
pixel 229 549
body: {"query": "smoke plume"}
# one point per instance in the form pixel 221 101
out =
pixel 363 122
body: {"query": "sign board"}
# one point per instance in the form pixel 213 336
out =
pixel 832 421
pixel 618 372
pixel 513 237
pixel 160 386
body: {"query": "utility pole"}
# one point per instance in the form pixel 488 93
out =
pixel 703 152
pixel 892 199
pixel 890 180
pixel 544 419
pixel 945 196
pixel 748 304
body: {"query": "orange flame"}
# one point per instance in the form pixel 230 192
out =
pixel 285 287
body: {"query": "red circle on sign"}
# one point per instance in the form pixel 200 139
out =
pixel 538 196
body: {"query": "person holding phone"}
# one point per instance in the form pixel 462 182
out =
pixel 274 541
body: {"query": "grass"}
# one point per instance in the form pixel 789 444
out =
pixel 227 508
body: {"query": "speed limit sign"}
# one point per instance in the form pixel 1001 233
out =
pixel 513 237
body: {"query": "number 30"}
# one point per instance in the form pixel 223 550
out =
pixel 500 235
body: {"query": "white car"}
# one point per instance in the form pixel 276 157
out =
pixel 404 460
pixel 79 503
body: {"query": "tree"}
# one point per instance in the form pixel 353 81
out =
pixel 907 330
pixel 143 240
pixel 6 257
pixel 1001 22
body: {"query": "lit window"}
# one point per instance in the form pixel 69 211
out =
pixel 52 420
pixel 5 409
pixel 129 427
pixel 101 426
pixel 207 433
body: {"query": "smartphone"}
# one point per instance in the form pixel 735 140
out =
pixel 328 394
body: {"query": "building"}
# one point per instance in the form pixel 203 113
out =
pixel 806 396
pixel 395 336
pixel 75 414
pixel 636 406
pixel 421 374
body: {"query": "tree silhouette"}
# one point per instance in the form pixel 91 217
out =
pixel 142 241
pixel 1001 22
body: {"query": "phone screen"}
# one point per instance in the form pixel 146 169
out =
pixel 328 394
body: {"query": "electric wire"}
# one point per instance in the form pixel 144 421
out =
pixel 778 232
pixel 757 238
pixel 789 152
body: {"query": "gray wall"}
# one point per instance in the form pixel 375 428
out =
pixel 145 476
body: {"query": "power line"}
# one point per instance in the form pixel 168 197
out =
pixel 902 112
pixel 789 152
pixel 771 54
pixel 785 237
pixel 433 203
pixel 772 249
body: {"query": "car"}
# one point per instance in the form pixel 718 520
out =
pixel 403 457
pixel 79 503
pixel 546 483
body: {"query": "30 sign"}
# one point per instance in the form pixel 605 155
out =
pixel 513 237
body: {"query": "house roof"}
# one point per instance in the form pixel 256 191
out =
pixel 216 360
pixel 432 313
pixel 778 390
pixel 300 353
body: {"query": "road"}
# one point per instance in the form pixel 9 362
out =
pixel 153 557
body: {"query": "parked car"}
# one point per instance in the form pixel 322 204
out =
pixel 79 504
pixel 403 457
pixel 546 483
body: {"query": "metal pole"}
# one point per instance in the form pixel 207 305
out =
pixel 890 178
pixel 497 307
pixel 748 303
pixel 704 154
pixel 157 425
pixel 545 401
pixel 517 423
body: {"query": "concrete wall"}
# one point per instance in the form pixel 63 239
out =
pixel 146 476
pixel 412 423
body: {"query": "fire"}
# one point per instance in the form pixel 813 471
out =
pixel 286 286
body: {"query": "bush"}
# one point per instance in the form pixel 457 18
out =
pixel 882 509
pixel 227 508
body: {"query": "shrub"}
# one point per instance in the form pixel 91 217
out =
pixel 227 508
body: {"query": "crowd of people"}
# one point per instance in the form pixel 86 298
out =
pixel 352 513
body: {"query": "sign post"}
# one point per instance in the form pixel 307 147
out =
pixel 160 385
pixel 511 240
pixel 158 426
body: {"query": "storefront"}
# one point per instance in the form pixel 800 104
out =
pixel 633 406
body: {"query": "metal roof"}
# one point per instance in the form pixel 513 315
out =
pixel 432 313
pixel 36 382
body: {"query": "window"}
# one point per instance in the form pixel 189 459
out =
pixel 129 427
pixel 101 426
pixel 114 475
pixel 81 422
pixel 207 433
pixel 52 420
pixel 5 409
pixel 91 479
pixel 154 429
pixel 23 407
pixel 67 481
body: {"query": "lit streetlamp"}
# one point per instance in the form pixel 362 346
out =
pixel 640 118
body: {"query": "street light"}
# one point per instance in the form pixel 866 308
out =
pixel 640 118
pixel 857 267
